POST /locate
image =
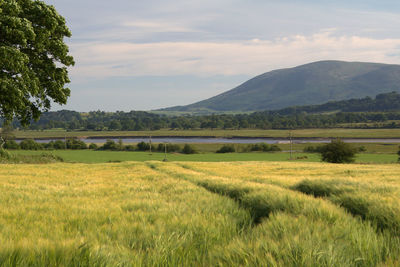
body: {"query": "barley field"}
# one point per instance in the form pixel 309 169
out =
pixel 199 214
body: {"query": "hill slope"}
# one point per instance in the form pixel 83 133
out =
pixel 386 102
pixel 309 84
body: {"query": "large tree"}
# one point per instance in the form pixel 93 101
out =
pixel 33 59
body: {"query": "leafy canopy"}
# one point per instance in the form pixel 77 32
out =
pixel 338 152
pixel 33 59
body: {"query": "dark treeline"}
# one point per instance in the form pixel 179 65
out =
pixel 127 121
pixel 366 112
pixel 382 103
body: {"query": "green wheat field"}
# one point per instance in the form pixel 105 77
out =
pixel 200 214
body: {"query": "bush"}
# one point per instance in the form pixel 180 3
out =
pixel 398 153
pixel 129 148
pixel 59 144
pixel 188 149
pixel 55 145
pixel 76 144
pixel 362 149
pixel 274 148
pixel 338 152
pixel 109 145
pixel 11 144
pixel 312 149
pixel 30 144
pixel 93 146
pixel 142 146
pixel 263 147
pixel 226 149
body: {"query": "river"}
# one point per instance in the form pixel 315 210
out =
pixel 193 140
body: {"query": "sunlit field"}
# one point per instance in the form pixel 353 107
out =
pixel 90 156
pixel 199 214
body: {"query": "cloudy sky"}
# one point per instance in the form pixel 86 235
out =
pixel 143 55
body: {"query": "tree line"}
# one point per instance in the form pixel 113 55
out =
pixel 380 112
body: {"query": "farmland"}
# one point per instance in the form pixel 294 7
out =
pixel 90 156
pixel 194 213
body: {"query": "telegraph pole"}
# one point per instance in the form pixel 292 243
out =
pixel 291 144
pixel 165 152
pixel 150 143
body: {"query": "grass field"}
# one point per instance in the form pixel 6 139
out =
pixel 200 214
pixel 333 133
pixel 90 156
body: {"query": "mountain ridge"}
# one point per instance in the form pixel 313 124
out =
pixel 309 84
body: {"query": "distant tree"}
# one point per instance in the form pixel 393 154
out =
pixel 188 149
pixel 59 145
pixel 75 143
pixel 398 153
pixel 109 145
pixel 6 134
pixel 93 146
pixel 11 144
pixel 338 152
pixel 226 149
pixel 30 144
pixel 120 144
pixel 115 125
pixel 33 59
pixel 142 146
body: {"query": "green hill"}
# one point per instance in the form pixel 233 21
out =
pixel 309 84
pixel 386 102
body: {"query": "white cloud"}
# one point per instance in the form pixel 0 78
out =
pixel 156 26
pixel 226 58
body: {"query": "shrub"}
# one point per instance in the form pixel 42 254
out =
pixel 129 148
pixel 312 149
pixel 362 149
pixel 30 144
pixel 173 148
pixel 259 147
pixel 188 149
pixel 398 153
pixel 93 146
pixel 142 146
pixel 274 148
pixel 170 148
pixel 76 144
pixel 109 145
pixel 338 152
pixel 226 149
pixel 59 144
pixel 264 147
pixel 11 144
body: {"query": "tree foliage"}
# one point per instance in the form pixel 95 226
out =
pixel 338 152
pixel 33 59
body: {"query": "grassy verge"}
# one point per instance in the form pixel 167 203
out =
pixel 29 158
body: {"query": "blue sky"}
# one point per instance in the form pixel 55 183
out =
pixel 143 55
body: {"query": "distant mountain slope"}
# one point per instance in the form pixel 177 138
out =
pixel 309 84
pixel 387 102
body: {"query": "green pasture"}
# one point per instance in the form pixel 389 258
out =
pixel 91 156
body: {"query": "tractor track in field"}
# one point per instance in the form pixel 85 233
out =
pixel 352 205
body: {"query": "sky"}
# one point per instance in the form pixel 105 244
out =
pixel 145 55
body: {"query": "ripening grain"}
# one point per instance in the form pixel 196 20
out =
pixel 199 214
